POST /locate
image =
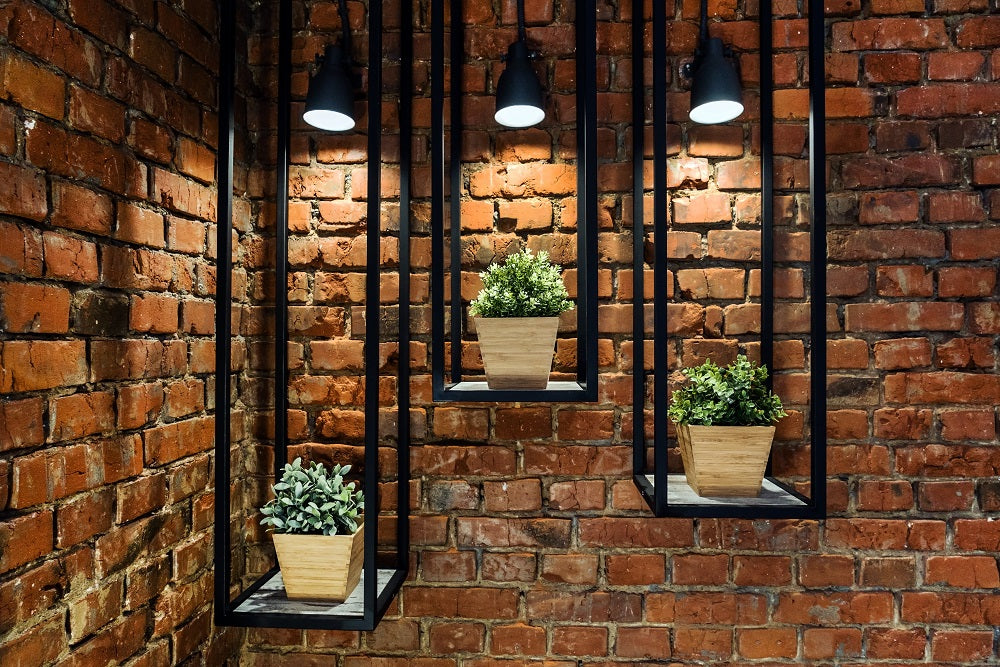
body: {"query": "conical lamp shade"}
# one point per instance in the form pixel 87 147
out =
pixel 330 100
pixel 716 93
pixel 520 99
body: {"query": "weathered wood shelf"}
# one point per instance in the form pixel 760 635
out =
pixel 679 492
pixel 270 598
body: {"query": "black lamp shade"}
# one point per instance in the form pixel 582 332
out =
pixel 716 94
pixel 520 99
pixel 330 100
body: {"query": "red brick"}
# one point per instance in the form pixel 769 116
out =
pixel 33 308
pixel 944 496
pixel 757 643
pixel 22 194
pixel 579 641
pixel 821 571
pixel 512 495
pixel 25 538
pixel 33 365
pixel 523 423
pixel 962 645
pixel 577 495
pixel 80 208
pixel 762 570
pixel 448 566
pixel 636 569
pixel 33 87
pixel 571 569
pixel 40 644
pixel 889 34
pixel 79 415
pixel 838 643
pixel 69 258
pixel 915 316
pixel 451 638
pixel 891 572
pixel 906 644
pixel 517 639
pixel 700 570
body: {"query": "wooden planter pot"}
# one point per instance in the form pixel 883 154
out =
pixel 320 567
pixel 725 461
pixel 517 351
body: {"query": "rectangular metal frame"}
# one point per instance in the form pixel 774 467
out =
pixel 656 494
pixel 375 602
pixel 585 386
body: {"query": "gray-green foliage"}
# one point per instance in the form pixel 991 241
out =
pixel 312 500
pixel 525 285
pixel 734 395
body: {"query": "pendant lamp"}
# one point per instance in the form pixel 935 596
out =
pixel 520 98
pixel 716 93
pixel 330 99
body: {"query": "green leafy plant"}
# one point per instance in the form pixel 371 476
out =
pixel 313 500
pixel 525 285
pixel 733 395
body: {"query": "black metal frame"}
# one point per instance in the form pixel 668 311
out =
pixel 375 603
pixel 585 387
pixel 655 494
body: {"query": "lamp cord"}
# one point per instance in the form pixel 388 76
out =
pixel 703 31
pixel 346 26
pixel 521 32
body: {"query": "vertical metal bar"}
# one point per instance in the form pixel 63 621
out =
pixel 373 298
pixel 817 228
pixel 766 189
pixel 638 237
pixel 586 210
pixel 281 238
pixel 437 195
pixel 223 310
pixel 457 63
pixel 660 204
pixel 767 198
pixel 403 391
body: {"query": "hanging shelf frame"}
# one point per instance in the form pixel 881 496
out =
pixel 449 177
pixel 263 602
pixel 668 494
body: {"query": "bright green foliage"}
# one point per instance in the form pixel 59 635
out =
pixel 310 500
pixel 523 286
pixel 734 395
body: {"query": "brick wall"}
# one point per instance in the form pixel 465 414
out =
pixel 107 279
pixel 529 541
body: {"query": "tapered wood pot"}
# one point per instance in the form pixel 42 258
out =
pixel 517 351
pixel 725 461
pixel 320 567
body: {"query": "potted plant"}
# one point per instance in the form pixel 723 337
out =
pixel 517 317
pixel 318 536
pixel 725 426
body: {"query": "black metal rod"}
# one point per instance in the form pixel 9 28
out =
pixel 703 26
pixel 345 26
pixel 223 310
pixel 403 389
pixel 457 35
pixel 522 33
pixel 660 276
pixel 586 210
pixel 638 238
pixel 766 190
pixel 373 303
pixel 767 199
pixel 281 237
pixel 437 194
pixel 817 229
